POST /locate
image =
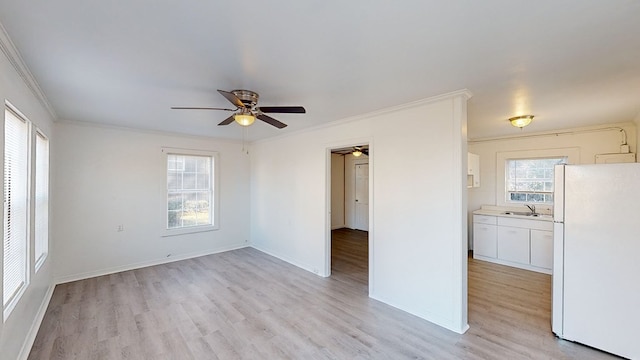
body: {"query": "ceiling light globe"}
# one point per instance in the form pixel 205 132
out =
pixel 356 153
pixel 521 121
pixel 244 119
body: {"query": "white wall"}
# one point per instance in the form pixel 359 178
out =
pixel 107 177
pixel 417 206
pixel 18 332
pixel 337 191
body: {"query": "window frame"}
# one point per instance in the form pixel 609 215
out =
pixel 214 205
pixel 40 257
pixel 509 192
pixel 13 300
pixel 502 194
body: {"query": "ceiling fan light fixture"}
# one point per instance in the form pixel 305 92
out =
pixel 356 152
pixel 244 119
pixel 521 121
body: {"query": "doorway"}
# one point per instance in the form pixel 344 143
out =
pixel 349 200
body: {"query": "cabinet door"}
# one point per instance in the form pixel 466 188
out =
pixel 513 244
pixel 542 249
pixel 484 240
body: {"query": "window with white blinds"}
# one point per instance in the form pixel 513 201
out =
pixel 41 199
pixel 16 208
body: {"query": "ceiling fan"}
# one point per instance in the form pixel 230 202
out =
pixel 247 110
pixel 356 151
pixel 359 150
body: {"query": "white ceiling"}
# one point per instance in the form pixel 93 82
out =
pixel 571 63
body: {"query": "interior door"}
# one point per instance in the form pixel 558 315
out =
pixel 362 197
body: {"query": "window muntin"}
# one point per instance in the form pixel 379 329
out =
pixel 190 190
pixel 41 199
pixel 16 208
pixel 530 180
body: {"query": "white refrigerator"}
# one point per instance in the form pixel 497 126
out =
pixel 596 259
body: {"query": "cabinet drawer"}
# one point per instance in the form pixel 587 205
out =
pixel 485 219
pixel 526 223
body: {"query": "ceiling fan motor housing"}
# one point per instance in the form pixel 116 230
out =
pixel 248 98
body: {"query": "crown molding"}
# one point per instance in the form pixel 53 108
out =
pixel 619 127
pixel 13 55
pixel 464 93
pixel 102 126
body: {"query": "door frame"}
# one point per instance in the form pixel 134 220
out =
pixel 371 237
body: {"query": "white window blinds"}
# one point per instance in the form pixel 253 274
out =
pixel 16 172
pixel 41 199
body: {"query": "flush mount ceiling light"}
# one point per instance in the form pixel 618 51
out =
pixel 244 118
pixel 521 121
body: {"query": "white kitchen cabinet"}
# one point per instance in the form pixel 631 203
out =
pixel 513 244
pixel 514 241
pixel 485 240
pixel 542 248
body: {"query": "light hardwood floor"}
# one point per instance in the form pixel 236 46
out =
pixel 244 304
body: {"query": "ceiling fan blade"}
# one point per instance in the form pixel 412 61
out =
pixel 232 98
pixel 282 109
pixel 198 108
pixel 271 121
pixel 227 121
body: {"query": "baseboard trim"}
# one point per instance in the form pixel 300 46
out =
pixel 308 268
pixel 425 315
pixel 117 269
pixel 35 325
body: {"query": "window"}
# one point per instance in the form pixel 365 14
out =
pixel 41 199
pixel 16 208
pixel 522 176
pixel 531 180
pixel 191 195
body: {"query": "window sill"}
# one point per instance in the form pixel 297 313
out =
pixel 189 230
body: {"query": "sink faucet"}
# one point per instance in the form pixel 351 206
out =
pixel 532 208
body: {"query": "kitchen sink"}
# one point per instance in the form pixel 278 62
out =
pixel 522 213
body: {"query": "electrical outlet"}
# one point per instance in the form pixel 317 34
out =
pixel 120 228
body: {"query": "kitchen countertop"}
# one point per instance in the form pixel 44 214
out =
pixel 496 211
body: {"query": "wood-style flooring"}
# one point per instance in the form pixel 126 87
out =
pixel 244 304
